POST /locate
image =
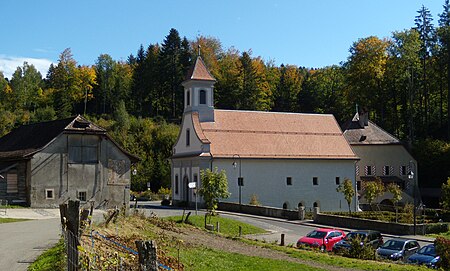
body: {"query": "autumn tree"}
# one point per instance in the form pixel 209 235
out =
pixel 372 190
pixel 347 189
pixel 396 192
pixel 366 67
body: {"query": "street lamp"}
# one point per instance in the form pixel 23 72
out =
pixel 240 179
pixel 411 178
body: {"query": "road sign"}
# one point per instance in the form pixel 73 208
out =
pixel 192 185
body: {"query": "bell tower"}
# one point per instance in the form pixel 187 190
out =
pixel 199 91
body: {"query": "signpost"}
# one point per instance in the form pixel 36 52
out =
pixel 193 185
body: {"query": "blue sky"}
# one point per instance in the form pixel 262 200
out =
pixel 303 33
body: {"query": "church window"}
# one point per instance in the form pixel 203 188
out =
pixel 202 97
pixel 315 181
pixel 188 98
pixel 288 180
pixel 338 181
pixel 188 137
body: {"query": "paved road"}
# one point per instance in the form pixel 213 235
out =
pixel 22 242
pixel 292 230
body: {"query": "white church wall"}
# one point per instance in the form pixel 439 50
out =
pixel 267 179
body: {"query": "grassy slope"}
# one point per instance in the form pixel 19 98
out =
pixel 227 226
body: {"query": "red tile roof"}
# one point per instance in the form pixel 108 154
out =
pixel 253 134
pixel 198 71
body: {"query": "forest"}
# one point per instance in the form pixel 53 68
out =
pixel 402 80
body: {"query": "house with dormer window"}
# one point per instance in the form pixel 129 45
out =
pixel 286 159
pixel 382 156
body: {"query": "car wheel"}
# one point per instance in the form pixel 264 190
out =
pixel 322 248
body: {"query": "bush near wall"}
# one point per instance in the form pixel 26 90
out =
pixel 443 250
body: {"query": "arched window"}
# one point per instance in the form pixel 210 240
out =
pixel 286 205
pixel 188 98
pixel 202 97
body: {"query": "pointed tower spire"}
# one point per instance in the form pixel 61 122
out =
pixel 199 47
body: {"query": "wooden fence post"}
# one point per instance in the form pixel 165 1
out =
pixel 282 240
pixel 147 255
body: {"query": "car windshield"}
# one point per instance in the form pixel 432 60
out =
pixel 317 234
pixel 352 235
pixel 427 250
pixel 393 244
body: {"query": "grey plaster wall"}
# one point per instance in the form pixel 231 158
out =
pixel 106 182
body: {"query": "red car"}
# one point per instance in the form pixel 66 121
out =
pixel 324 239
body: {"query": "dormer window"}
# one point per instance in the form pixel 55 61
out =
pixel 202 96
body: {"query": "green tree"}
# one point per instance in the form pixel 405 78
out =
pixel 444 40
pixel 214 187
pixel 445 196
pixel 426 31
pixel 372 190
pixel 26 84
pixel 104 67
pixel 347 189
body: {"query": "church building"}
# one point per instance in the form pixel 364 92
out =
pixel 286 160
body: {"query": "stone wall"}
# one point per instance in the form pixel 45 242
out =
pixel 259 210
pixel 366 224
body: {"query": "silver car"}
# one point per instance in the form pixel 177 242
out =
pixel 398 249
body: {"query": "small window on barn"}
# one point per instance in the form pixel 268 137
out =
pixel 49 193
pixel 188 137
pixel 202 97
pixel 12 185
pixel 176 184
pixel 82 196
pixel 338 181
pixel 315 181
pixel 288 180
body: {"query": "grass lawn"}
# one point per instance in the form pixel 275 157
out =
pixel 51 260
pixel 9 220
pixel 227 226
pixel 209 259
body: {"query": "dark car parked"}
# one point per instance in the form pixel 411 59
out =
pixel 372 238
pixel 426 256
pixel 398 249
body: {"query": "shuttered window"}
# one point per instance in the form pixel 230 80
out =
pixel 12 184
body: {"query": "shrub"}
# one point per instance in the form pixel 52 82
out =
pixel 443 250
pixel 360 250
pixel 165 202
pixel 436 228
pixel 254 200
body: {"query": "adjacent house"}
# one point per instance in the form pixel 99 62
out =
pixel 286 160
pixel 45 164
pixel 382 156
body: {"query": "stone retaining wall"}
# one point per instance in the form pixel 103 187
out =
pixel 259 210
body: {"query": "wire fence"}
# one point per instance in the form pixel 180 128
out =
pixel 89 249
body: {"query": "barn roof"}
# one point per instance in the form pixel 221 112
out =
pixel 255 134
pixel 26 140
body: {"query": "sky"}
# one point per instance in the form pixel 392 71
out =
pixel 309 33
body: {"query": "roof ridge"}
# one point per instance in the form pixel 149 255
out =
pixel 275 112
